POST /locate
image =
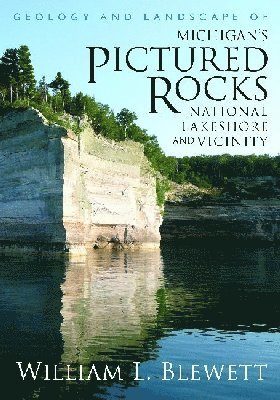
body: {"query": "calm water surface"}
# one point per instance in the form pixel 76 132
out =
pixel 185 305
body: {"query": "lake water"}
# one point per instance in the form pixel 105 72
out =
pixel 182 308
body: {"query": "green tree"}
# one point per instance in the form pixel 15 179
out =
pixel 78 104
pixel 10 71
pixel 61 91
pixel 104 122
pixel 26 79
pixel 4 81
pixel 42 90
pixel 126 118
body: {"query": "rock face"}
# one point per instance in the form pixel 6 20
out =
pixel 251 188
pixel 60 190
pixel 223 219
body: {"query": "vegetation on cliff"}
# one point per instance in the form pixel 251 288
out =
pixel 19 89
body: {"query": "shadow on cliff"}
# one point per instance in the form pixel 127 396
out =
pixel 31 192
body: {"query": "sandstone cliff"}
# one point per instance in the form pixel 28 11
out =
pixel 246 220
pixel 248 208
pixel 62 190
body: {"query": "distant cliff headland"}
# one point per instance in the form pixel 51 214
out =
pixel 248 210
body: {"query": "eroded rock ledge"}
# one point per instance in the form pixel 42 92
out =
pixel 249 220
pixel 62 191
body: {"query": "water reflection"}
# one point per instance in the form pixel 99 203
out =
pixel 30 319
pixel 109 303
pixel 225 287
pixel 194 303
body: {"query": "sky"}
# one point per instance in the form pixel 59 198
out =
pixel 59 43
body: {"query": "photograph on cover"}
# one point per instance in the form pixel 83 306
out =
pixel 139 200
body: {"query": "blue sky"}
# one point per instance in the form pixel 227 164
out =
pixel 60 45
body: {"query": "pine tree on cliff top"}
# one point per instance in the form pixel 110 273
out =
pixel 60 87
pixel 9 71
pixel 27 80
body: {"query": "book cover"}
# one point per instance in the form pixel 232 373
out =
pixel 139 200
